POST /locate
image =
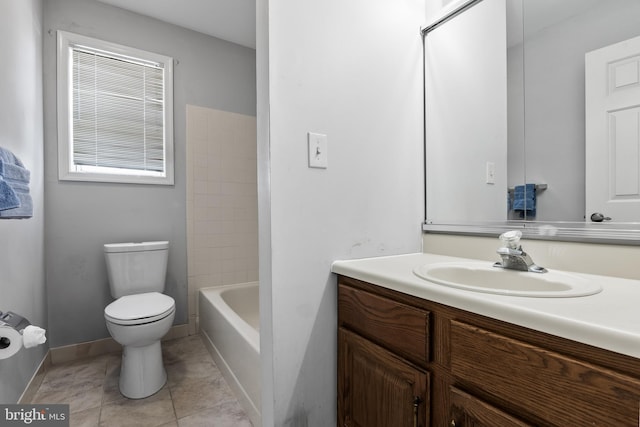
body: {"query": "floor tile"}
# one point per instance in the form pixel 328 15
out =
pixel 184 349
pixel 78 399
pixel 186 360
pixel 84 374
pixel 196 394
pixel 225 414
pixel 150 412
pixel 86 418
pixel 111 386
pixel 182 372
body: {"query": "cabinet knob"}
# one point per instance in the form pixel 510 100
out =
pixel 453 423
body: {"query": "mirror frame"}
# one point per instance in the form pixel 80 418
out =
pixel 586 232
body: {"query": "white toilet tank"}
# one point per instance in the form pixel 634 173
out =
pixel 136 268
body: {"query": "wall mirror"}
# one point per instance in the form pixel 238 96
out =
pixel 532 119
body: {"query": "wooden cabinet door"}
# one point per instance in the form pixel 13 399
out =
pixel 377 388
pixel 468 411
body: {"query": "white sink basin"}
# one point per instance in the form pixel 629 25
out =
pixel 483 277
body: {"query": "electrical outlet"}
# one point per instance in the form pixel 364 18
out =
pixel 317 150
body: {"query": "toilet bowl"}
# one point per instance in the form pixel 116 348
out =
pixel 141 315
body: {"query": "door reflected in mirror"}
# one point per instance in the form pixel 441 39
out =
pixel 509 134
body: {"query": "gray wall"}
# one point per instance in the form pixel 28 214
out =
pixel 81 217
pixel 22 278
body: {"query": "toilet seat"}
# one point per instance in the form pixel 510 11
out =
pixel 139 309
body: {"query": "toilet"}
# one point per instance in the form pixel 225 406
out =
pixel 141 315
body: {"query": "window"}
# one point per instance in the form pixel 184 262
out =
pixel 115 112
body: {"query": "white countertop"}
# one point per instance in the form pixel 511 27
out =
pixel 609 319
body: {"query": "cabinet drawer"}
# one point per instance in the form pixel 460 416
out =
pixel 554 388
pixel 466 410
pixel 398 327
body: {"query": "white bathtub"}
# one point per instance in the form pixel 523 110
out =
pixel 229 322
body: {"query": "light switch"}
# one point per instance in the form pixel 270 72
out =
pixel 317 150
pixel 491 173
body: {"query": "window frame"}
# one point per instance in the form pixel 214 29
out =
pixel 67 171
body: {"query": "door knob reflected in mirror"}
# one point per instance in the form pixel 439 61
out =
pixel 598 217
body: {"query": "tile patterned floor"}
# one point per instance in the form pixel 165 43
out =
pixel 195 395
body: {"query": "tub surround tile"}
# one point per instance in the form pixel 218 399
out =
pixel 222 202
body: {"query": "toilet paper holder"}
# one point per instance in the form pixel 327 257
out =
pixel 14 321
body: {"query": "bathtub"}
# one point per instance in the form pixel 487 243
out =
pixel 229 323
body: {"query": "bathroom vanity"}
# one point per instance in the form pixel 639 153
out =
pixel 415 353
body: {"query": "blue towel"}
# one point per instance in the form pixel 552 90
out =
pixel 14 171
pixel 8 197
pixel 524 199
pixel 17 186
pixel 25 210
pixel 9 158
pixel 15 200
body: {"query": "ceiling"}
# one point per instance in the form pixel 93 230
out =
pixel 231 20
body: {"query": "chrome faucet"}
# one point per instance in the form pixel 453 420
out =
pixel 513 257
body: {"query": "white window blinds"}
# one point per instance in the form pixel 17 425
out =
pixel 115 112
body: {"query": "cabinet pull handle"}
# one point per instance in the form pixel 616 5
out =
pixel 416 404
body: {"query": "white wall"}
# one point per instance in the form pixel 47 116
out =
pixel 466 115
pixel 22 278
pixel 353 71
pixel 436 8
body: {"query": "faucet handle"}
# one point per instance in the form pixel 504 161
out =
pixel 511 239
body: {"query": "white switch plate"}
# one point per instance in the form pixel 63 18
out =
pixel 491 173
pixel 317 150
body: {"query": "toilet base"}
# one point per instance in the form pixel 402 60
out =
pixel 142 372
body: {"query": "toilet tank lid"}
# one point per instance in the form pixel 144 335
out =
pixel 136 247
